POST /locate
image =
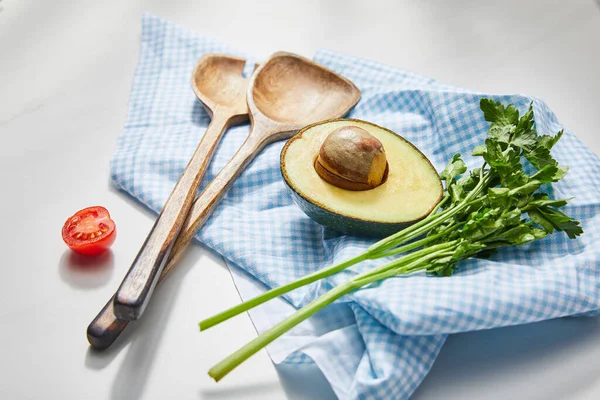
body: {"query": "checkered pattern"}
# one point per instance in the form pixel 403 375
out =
pixel 387 338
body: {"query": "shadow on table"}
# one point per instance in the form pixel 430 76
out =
pixel 471 359
pixel 250 391
pixel 294 379
pixel 142 337
pixel 86 272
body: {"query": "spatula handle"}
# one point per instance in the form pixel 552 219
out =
pixel 134 293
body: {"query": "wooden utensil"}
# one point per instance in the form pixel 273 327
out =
pixel 219 85
pixel 285 94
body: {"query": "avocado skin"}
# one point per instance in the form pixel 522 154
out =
pixel 344 224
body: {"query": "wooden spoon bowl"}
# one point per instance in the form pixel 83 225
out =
pixel 218 83
pixel 292 90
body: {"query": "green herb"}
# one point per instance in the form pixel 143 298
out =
pixel 496 205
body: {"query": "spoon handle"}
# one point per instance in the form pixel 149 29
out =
pixel 212 195
pixel 136 288
pixel 107 327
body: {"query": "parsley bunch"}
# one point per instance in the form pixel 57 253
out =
pixel 498 204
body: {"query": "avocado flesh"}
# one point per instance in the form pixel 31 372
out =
pixel 411 190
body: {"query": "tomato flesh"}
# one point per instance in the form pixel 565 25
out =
pixel 89 231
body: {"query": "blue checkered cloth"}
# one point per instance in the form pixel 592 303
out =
pixel 380 342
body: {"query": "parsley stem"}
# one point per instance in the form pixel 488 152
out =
pixel 439 205
pixel 422 255
pixel 412 245
pixel 228 364
pixel 278 291
pixel 315 276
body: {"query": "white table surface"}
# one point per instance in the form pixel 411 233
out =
pixel 65 73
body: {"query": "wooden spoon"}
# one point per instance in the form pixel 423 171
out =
pixel 218 82
pixel 285 94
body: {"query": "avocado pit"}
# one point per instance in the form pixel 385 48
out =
pixel 353 159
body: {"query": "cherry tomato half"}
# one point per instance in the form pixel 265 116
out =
pixel 90 231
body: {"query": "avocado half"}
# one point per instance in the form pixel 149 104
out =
pixel 409 193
